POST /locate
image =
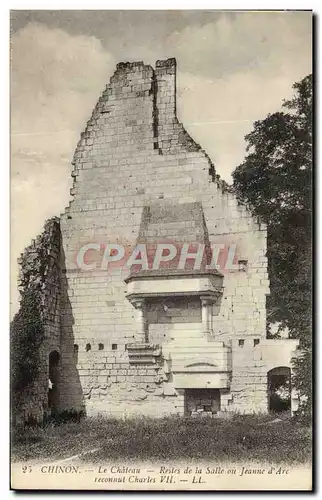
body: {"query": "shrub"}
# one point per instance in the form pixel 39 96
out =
pixel 245 438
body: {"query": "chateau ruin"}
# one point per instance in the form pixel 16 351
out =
pixel 151 340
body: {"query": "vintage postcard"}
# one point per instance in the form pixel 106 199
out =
pixel 161 205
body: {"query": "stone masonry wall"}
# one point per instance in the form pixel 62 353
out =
pixel 133 153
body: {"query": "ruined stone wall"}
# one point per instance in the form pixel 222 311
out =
pixel 132 153
pixel 250 367
pixel 40 272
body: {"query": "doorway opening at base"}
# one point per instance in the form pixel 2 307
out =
pixel 279 389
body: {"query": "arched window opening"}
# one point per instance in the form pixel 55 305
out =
pixel 100 347
pixel 53 381
pixel 88 347
pixel 279 389
pixel 76 349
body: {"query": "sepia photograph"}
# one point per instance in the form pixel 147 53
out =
pixel 161 241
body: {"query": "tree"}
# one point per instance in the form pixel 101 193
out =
pixel 275 182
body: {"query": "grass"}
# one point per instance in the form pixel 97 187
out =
pixel 244 438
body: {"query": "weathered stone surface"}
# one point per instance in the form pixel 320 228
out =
pixel 134 154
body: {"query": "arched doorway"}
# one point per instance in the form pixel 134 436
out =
pixel 53 382
pixel 279 389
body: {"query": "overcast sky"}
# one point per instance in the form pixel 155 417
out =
pixel 233 68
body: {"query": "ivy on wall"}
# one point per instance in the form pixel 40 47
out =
pixel 26 336
pixel 27 329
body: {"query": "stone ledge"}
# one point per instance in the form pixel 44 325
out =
pixel 143 353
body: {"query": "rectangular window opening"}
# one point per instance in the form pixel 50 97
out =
pixel 242 264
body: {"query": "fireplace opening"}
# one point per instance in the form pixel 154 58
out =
pixel 202 402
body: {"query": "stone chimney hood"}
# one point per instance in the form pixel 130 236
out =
pixel 159 222
pixel 172 283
